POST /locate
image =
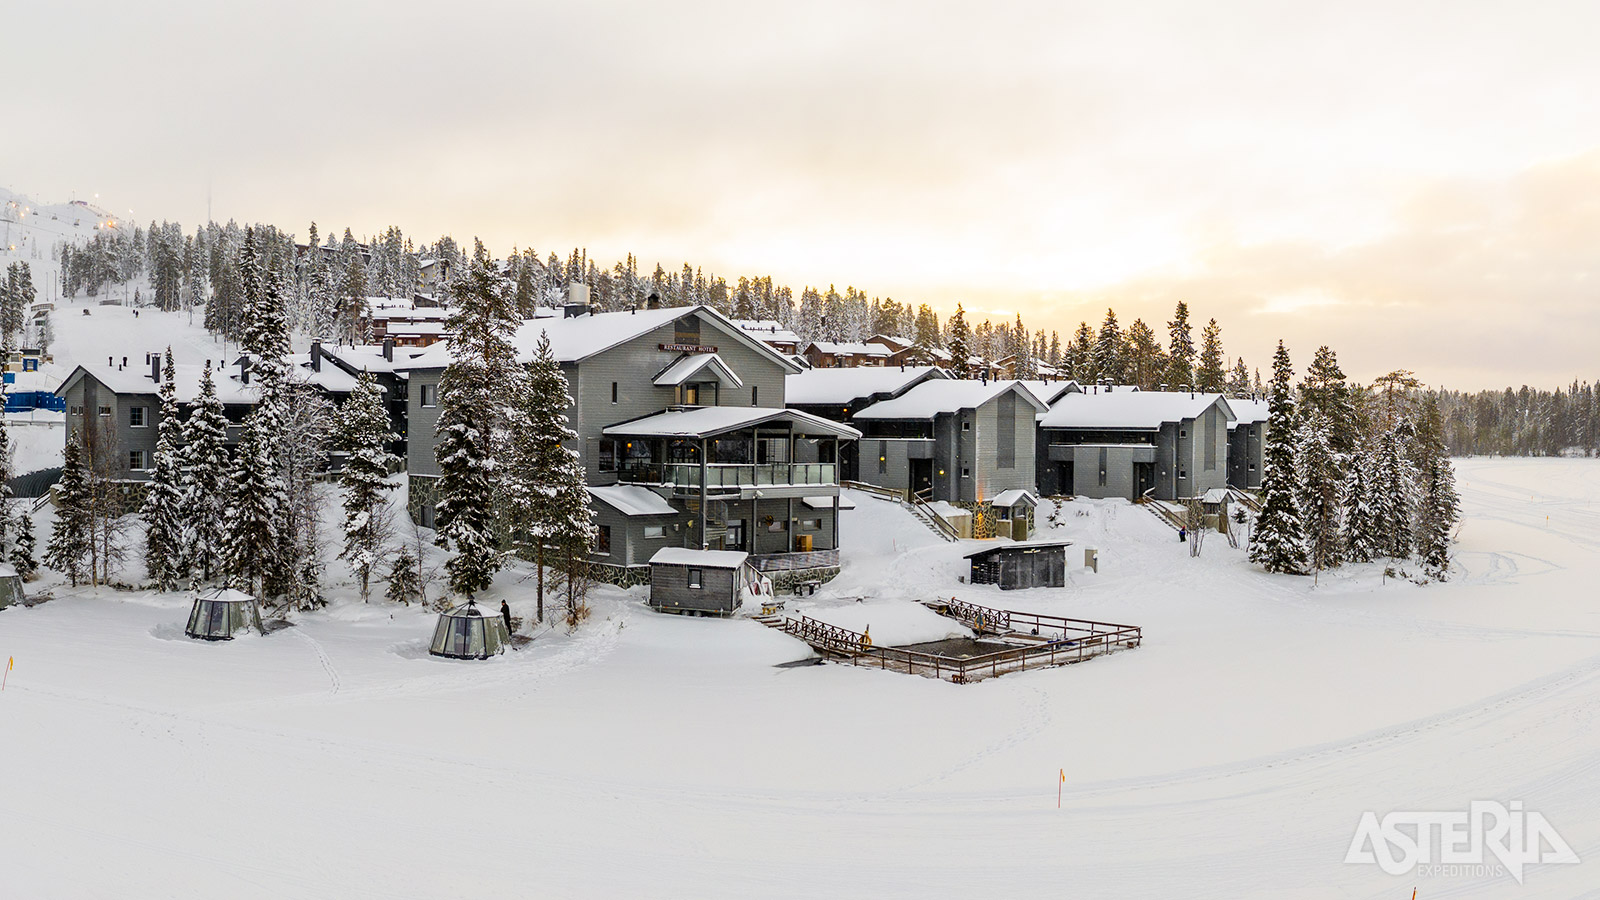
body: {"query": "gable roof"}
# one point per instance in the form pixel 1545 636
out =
pixel 690 365
pixel 579 337
pixel 838 387
pixel 1131 410
pixel 933 398
pixel 1048 392
pixel 831 348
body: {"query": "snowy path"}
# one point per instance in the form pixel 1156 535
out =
pixel 654 756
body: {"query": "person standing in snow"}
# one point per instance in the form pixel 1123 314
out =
pixel 505 613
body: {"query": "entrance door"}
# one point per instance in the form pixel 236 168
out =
pixel 1144 478
pixel 921 475
pixel 1064 479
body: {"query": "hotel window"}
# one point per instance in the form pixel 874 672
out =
pixel 966 472
pixel 602 545
pixel 966 426
pixel 755 395
pixel 136 460
pixel 655 531
pixel 696 578
pixel 105 411
pixel 137 417
pixel 811 524
pixel 613 392
pixel 691 395
pixel 608 455
pixel 427 394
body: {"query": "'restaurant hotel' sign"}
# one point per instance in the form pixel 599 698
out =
pixel 687 348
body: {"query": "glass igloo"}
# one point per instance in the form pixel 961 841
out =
pixel 468 632
pixel 219 614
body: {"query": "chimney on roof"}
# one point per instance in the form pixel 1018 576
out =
pixel 316 356
pixel 124 363
pixel 111 361
pixel 155 367
pixel 244 370
pixel 388 349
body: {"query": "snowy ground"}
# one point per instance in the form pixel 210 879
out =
pixel 654 756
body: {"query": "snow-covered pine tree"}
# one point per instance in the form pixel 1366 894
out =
pixel 1080 355
pixel 22 558
pixel 72 537
pixel 1363 542
pixel 1320 482
pixel 1278 543
pixel 1438 505
pixel 959 341
pixel 363 433
pixel 1180 349
pixel 1210 376
pixel 473 391
pixel 548 476
pixel 1325 391
pixel 254 503
pixel 205 480
pixel 1022 353
pixel 404 582
pixel 165 516
pixel 1110 354
pixel 1395 495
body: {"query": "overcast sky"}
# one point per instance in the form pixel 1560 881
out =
pixel 1415 184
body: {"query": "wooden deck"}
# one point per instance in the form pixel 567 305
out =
pixel 1026 641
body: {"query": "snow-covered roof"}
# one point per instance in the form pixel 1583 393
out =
pixel 632 500
pixel 7 571
pixel 1215 495
pixel 932 398
pixel 1142 410
pixel 417 328
pixel 1018 545
pixel 186 381
pixel 577 338
pixel 330 378
pixel 1248 412
pixel 1048 392
pixel 369 357
pixel 1013 497
pixel 769 331
pixel 708 559
pixel 838 387
pixel 830 348
pixel 827 502
pixel 693 367
pixel 704 421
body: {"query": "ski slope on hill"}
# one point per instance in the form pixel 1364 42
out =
pixel 654 756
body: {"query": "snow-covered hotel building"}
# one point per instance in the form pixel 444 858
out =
pixel 683 431
pixel 1124 443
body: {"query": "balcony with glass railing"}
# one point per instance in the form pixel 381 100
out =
pixel 724 477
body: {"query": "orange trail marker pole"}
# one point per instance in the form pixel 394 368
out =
pixel 10 661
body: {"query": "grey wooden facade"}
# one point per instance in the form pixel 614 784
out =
pixel 718 590
pixel 1169 459
pixel 956 453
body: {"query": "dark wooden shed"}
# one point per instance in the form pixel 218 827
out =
pixel 1021 564
pixel 698 581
